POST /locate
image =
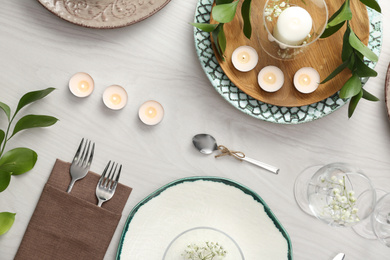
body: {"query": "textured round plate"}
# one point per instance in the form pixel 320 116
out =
pixel 104 13
pixel 211 202
pixel 256 108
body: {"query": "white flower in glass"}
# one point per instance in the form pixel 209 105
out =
pixel 207 251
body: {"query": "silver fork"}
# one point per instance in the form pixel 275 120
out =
pixel 106 186
pixel 81 162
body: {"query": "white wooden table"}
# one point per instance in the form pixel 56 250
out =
pixel 155 59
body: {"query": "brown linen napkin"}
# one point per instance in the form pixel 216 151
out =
pixel 70 225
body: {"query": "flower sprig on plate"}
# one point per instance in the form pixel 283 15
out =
pixel 342 207
pixel 208 251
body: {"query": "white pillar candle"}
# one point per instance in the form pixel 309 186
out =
pixel 270 78
pixel 151 112
pixel 115 97
pixel 81 84
pixel 293 26
pixel 245 58
pixel 306 80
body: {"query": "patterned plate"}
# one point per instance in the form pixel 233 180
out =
pixel 256 108
pixel 104 13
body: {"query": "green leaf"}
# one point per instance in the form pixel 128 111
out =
pixel 347 49
pixel 362 70
pixel 367 95
pixel 219 2
pixel 345 14
pixel 215 34
pixel 246 16
pixel 352 87
pixel 222 40
pixel 336 71
pixel 372 4
pixel 224 13
pixel 2 136
pixel 6 221
pixel 6 109
pixel 18 161
pixel 5 178
pixel 206 27
pixel 32 121
pixel 331 30
pixel 32 97
pixel 360 47
pixel 353 103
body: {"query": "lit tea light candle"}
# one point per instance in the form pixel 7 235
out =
pixel 306 80
pixel 270 78
pixel 245 58
pixel 115 97
pixel 81 84
pixel 151 112
pixel 293 26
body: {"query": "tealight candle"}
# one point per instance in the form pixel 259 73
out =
pixel 293 26
pixel 151 112
pixel 270 78
pixel 115 97
pixel 81 84
pixel 245 58
pixel 306 80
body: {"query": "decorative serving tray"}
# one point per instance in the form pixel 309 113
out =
pixel 283 114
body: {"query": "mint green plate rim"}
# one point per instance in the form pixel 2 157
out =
pixel 225 181
pixel 256 108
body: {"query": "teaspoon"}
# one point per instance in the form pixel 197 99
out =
pixel 207 144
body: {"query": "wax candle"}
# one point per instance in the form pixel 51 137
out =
pixel 270 78
pixel 151 112
pixel 245 58
pixel 306 80
pixel 115 97
pixel 81 84
pixel 293 26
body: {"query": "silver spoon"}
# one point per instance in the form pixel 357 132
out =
pixel 207 144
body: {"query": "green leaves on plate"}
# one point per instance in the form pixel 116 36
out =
pixel 372 4
pixel 360 47
pixel 6 221
pixel 224 13
pixel 206 27
pixel 352 87
pixel 246 16
pixel 32 121
pixel 18 161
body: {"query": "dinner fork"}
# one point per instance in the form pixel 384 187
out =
pixel 81 162
pixel 106 186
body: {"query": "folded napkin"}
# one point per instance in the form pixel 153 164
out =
pixel 70 225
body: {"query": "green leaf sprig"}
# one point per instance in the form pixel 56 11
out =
pixel 19 160
pixel 353 55
pixel 224 12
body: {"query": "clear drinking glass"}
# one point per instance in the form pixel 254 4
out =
pixel 380 220
pixel 338 194
pixel 279 39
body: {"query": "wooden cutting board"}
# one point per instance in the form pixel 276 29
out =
pixel 323 55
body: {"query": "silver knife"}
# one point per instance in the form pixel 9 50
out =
pixel 339 256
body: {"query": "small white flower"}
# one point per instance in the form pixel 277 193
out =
pixel 283 4
pixel 355 210
pixel 336 191
pixel 343 199
pixel 334 178
pixel 341 182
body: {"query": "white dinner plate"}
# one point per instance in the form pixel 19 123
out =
pixel 212 202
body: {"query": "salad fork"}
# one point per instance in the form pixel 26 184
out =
pixel 81 162
pixel 106 186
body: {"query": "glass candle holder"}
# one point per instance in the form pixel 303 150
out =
pixel 290 26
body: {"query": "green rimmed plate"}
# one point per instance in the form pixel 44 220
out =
pixel 256 108
pixel 203 201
